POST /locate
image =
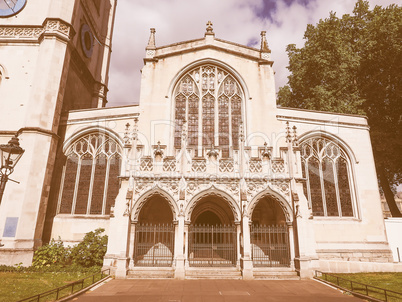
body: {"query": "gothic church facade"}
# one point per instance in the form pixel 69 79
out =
pixel 207 174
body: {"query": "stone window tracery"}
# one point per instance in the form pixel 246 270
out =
pixel 210 100
pixel 326 167
pixel 90 178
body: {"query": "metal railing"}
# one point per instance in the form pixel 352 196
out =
pixel 69 289
pixel 270 246
pixel 212 245
pixel 154 245
pixel 373 293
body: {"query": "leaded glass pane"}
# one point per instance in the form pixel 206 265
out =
pixel 208 119
pixel 113 182
pixel 236 119
pixel 304 176
pixel 69 184
pixel 99 184
pixel 344 188
pixel 315 187
pixel 224 125
pixel 206 84
pixel 83 184
pixel 329 187
pixel 193 120
pixel 180 117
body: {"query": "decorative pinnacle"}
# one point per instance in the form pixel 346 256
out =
pixel 151 41
pixel 266 152
pixel 241 132
pixel 210 30
pixel 288 134
pixel 127 134
pixel 213 152
pixel 264 43
pixel 295 141
pixel 158 151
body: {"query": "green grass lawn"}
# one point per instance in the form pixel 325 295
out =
pixel 15 286
pixel 389 281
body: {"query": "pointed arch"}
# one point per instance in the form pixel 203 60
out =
pixel 328 166
pixel 155 191
pixel 336 139
pixel 90 184
pixel 207 61
pixel 213 191
pixel 89 130
pixel 211 97
pixel 282 202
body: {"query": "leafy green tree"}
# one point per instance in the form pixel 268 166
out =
pixel 91 250
pixel 353 65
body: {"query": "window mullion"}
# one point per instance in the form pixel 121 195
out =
pixel 216 110
pixel 338 200
pixel 63 176
pixel 200 115
pixel 324 202
pixel 77 180
pixel 310 203
pixel 91 184
pixel 106 185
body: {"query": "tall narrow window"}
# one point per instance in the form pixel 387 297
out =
pixel 208 119
pixel 207 95
pixel 90 178
pixel 327 169
pixel 193 120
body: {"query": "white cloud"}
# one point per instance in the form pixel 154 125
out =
pixel 180 20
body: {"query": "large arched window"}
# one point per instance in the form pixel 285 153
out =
pixel 210 100
pixel 90 177
pixel 327 169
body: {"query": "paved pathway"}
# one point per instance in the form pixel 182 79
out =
pixel 150 290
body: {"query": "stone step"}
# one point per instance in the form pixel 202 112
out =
pixel 275 273
pixel 213 273
pixel 151 273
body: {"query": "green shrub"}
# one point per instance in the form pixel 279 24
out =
pixel 52 254
pixel 91 250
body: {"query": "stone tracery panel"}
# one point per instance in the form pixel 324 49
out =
pixel 327 169
pixel 204 96
pixel 90 179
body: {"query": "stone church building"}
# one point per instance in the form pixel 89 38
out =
pixel 207 176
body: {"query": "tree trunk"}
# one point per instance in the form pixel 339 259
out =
pixel 389 195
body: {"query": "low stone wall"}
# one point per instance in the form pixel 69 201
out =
pixel 16 256
pixel 338 266
pixel 382 256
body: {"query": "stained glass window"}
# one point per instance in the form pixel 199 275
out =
pixel 205 96
pixel 193 120
pixel 326 169
pixel 224 125
pixel 91 170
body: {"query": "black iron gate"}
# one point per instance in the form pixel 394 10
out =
pixel 270 246
pixel 212 245
pixel 154 245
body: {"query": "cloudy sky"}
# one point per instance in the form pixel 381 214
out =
pixel 239 21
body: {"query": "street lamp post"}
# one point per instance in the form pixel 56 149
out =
pixel 10 154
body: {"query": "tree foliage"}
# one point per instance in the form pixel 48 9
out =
pixel 353 65
pixel 88 253
pixel 52 254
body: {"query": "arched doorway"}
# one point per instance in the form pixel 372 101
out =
pixel 154 234
pixel 269 235
pixel 212 234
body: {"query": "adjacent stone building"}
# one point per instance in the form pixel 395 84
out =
pixel 207 176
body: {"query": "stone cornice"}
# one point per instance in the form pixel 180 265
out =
pixel 52 27
pixel 208 46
